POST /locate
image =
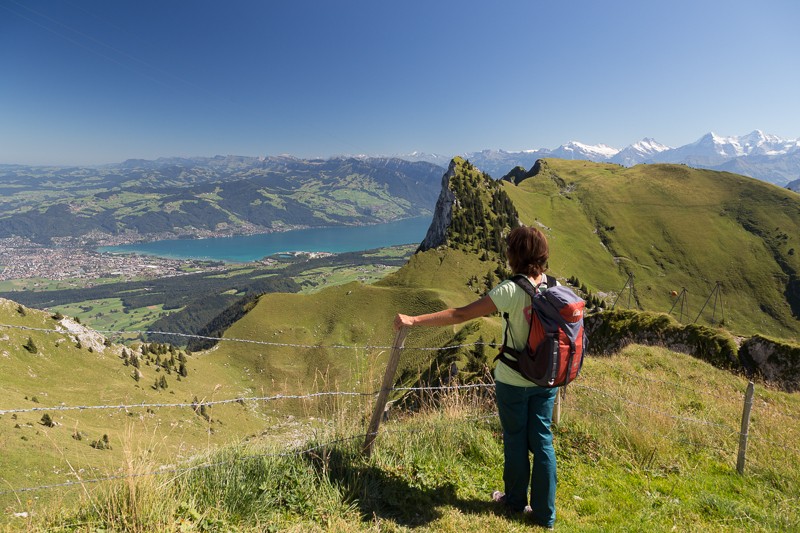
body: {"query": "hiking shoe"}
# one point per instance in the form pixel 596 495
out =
pixel 500 497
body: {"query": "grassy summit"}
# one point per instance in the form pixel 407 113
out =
pixel 672 227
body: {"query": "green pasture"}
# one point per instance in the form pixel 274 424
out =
pixel 671 227
pixel 647 440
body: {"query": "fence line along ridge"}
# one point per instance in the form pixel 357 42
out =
pixel 263 343
pixel 197 404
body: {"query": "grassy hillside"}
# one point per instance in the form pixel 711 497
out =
pixel 672 227
pixel 66 365
pixel 356 316
pixel 647 441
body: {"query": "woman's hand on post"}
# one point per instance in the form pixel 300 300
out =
pixel 403 321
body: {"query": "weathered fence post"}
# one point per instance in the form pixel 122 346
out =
pixel 386 387
pixel 748 404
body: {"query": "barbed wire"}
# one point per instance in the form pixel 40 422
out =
pixel 671 383
pixel 641 428
pixel 785 447
pixel 263 343
pixel 197 404
pixel 211 403
pixel 193 405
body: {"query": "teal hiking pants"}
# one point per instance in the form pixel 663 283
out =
pixel 526 414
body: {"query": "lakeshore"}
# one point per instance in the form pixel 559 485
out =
pixel 21 259
pixel 248 248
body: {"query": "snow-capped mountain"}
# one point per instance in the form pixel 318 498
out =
pixel 640 152
pixel 712 149
pixel 757 154
pixel 576 150
pixel 416 156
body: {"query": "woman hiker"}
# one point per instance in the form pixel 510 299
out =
pixel 525 409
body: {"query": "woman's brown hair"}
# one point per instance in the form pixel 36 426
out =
pixel 527 251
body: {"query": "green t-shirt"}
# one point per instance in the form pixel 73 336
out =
pixel 509 298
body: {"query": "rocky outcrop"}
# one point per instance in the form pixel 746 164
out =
pixel 443 214
pixel 775 361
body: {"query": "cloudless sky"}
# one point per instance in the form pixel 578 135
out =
pixel 90 82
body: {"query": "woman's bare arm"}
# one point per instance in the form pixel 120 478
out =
pixel 454 315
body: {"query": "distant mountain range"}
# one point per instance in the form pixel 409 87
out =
pixel 757 154
pixel 178 197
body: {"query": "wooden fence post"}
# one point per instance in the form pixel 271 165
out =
pixel 386 387
pixel 748 404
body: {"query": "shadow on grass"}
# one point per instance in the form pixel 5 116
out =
pixel 410 500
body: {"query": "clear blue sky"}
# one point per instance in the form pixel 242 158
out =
pixel 86 82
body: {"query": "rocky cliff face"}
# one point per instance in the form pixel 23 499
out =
pixel 442 215
pixel 775 361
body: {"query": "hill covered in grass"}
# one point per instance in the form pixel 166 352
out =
pixel 647 440
pixel 671 227
pixel 650 230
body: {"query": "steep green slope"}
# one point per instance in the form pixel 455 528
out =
pixel 669 226
pixel 338 338
pixel 672 227
pixel 67 365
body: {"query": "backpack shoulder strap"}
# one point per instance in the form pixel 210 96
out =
pixel 551 281
pixel 525 284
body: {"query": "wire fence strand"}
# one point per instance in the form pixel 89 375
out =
pixel 262 343
pixel 196 404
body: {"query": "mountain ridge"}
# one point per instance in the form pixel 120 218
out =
pixel 757 155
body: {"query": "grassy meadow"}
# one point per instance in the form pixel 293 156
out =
pixel 672 227
pixel 647 440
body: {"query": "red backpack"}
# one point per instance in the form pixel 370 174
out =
pixel 553 355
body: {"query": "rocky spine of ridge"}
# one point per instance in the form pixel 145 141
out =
pixel 473 213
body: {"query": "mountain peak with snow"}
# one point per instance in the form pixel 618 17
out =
pixel 639 152
pixel 757 154
pixel 578 150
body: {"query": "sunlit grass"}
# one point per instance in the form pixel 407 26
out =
pixel 647 441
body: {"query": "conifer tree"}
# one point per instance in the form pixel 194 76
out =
pixel 31 346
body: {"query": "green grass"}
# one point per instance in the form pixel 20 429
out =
pixel 647 440
pixel 671 227
pixel 320 278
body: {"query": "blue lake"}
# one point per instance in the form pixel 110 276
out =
pixel 253 247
